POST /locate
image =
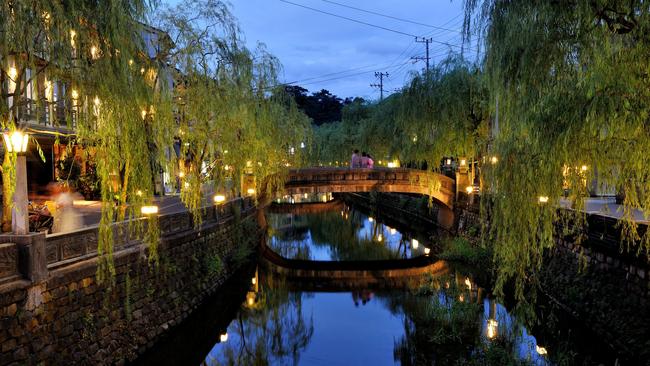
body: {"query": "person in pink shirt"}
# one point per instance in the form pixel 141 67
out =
pixel 364 160
pixel 371 163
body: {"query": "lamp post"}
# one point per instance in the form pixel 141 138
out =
pixel 16 142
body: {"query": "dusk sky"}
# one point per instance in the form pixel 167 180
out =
pixel 321 51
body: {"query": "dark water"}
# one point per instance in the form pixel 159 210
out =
pixel 447 319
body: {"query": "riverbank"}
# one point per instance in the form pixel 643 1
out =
pixel 66 315
pixel 598 285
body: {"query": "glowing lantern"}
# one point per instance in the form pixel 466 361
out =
pixel 469 189
pixel 543 199
pixel 250 191
pixel 370 219
pixel 494 160
pixel 427 251
pixel 16 141
pixel 541 350
pixel 415 243
pixel 223 337
pixel 149 210
pixel 380 237
pixel 219 198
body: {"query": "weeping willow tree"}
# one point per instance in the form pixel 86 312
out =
pixel 87 59
pixel 441 113
pixel 568 89
pixel 233 120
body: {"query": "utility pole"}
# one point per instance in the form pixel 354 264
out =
pixel 380 76
pixel 426 42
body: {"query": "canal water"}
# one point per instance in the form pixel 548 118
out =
pixel 260 318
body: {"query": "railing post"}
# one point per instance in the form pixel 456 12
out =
pixel 32 255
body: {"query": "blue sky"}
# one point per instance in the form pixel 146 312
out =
pixel 325 52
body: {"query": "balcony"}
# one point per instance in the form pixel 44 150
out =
pixel 55 115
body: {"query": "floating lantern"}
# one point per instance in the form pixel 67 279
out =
pixel 223 337
pixel 543 199
pixel 415 243
pixel 219 198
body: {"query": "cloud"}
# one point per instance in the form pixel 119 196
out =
pixel 310 44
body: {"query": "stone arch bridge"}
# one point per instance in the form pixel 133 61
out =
pixel 397 180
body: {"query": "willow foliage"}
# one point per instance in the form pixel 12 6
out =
pixel 94 49
pixel 442 113
pixel 136 92
pixel 437 114
pixel 234 121
pixel 568 82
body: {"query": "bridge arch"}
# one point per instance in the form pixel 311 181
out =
pixel 364 274
pixel 344 180
pixel 396 180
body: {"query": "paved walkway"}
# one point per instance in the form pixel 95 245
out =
pixel 89 212
pixel 606 206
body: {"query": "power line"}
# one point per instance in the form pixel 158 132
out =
pixel 350 19
pixel 335 78
pixel 391 17
pixel 365 23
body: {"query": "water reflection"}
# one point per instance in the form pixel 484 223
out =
pixel 446 321
pixel 444 317
pixel 343 235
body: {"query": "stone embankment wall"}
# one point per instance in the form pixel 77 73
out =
pixel 603 284
pixel 53 311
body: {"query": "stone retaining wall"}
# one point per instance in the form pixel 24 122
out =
pixel 68 317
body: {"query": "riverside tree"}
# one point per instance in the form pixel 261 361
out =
pixel 234 120
pixel 87 57
pixel 568 91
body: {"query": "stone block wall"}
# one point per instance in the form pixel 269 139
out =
pixel 70 318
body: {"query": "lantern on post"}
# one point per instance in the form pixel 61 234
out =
pixel 16 142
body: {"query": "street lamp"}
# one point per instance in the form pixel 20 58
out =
pixel 16 142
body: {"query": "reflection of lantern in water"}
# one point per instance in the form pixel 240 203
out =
pixel 250 298
pixel 468 283
pixel 541 350
pixel 492 328
pixel 223 337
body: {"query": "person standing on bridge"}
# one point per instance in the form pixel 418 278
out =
pixel 355 162
pixel 364 160
pixel 371 163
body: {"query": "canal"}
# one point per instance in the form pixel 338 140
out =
pixel 445 318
